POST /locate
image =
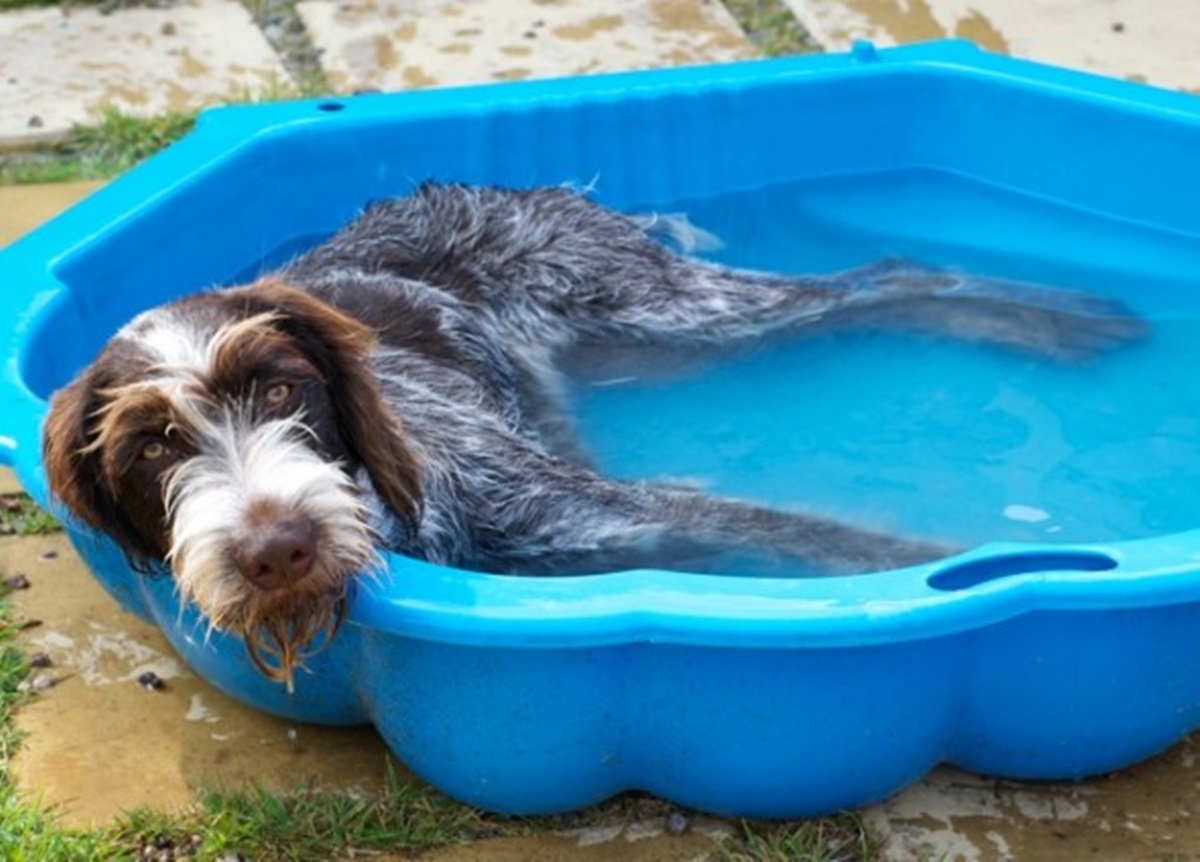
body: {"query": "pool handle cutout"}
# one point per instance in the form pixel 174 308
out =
pixel 972 573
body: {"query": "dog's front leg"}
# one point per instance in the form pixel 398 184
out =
pixel 827 545
pixel 589 524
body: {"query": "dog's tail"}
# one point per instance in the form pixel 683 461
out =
pixel 1062 324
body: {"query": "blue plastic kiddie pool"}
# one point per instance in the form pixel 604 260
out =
pixel 1064 644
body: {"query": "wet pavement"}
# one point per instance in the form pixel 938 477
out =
pixel 381 44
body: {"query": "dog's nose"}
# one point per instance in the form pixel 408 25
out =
pixel 278 553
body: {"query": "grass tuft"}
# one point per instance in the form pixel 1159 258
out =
pixel 832 839
pixel 114 144
pixel 310 825
pixel 121 141
pixel 5 5
pixel 105 6
pixel 772 26
pixel 20 516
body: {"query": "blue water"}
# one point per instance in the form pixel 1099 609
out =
pixel 961 443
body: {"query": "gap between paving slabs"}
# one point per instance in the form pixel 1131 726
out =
pixel 284 29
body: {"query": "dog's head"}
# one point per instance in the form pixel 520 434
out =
pixel 223 433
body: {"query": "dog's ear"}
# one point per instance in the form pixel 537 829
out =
pixel 340 347
pixel 74 471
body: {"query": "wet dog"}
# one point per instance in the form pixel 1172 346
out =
pixel 400 387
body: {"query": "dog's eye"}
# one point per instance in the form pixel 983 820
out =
pixel 277 394
pixel 154 450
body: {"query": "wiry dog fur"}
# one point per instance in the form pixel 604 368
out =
pixel 399 386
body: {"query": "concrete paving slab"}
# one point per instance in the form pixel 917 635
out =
pixel 1143 813
pixel 398 44
pixel 63 65
pixel 1147 41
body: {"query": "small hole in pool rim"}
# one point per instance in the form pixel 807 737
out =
pixel 963 576
pixel 331 107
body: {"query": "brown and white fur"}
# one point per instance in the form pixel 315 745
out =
pixel 400 387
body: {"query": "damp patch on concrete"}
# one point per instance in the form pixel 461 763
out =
pixel 400 44
pixel 1145 812
pixel 1153 42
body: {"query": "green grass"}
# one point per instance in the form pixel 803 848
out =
pixel 21 516
pixel 105 6
pixel 772 26
pixel 832 839
pixel 24 4
pixel 114 144
pixel 282 26
pixel 304 825
pixel 117 141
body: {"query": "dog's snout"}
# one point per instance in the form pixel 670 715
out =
pixel 278 553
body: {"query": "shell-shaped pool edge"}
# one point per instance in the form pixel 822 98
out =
pixel 738 696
